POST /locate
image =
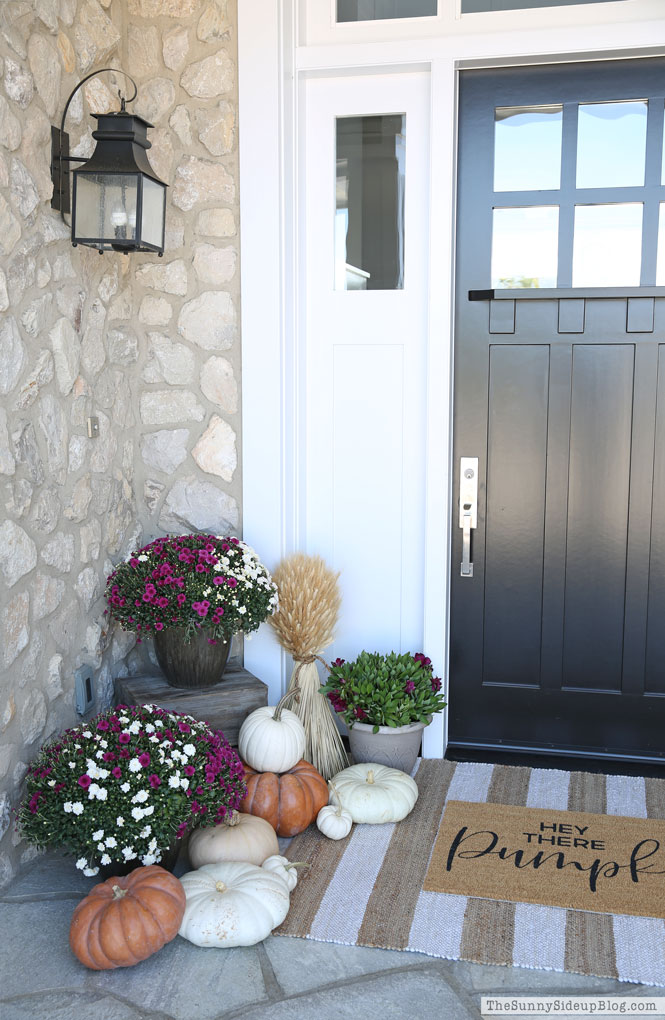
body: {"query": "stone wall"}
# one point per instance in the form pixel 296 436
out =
pixel 147 345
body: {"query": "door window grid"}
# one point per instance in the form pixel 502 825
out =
pixel 634 206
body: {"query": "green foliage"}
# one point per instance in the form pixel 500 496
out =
pixel 384 690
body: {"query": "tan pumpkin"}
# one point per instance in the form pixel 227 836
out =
pixel 243 837
pixel 125 920
pixel 289 801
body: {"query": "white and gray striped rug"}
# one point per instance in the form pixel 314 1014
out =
pixel 367 890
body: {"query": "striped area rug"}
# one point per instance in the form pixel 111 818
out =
pixel 367 889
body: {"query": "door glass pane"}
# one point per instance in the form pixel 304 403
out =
pixel 369 207
pixel 383 10
pixel 611 145
pixel 662 173
pixel 660 267
pixel 525 247
pixel 527 148
pixel 607 245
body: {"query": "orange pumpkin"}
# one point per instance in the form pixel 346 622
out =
pixel 289 800
pixel 125 920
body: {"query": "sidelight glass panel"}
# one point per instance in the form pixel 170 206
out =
pixel 369 206
pixel 660 267
pixel 611 144
pixel 607 245
pixel 527 148
pixel 525 247
pixel 383 10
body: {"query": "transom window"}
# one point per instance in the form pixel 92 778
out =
pixel 579 195
pixel 384 10
pixel 483 6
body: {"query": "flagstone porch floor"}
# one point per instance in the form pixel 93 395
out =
pixel 40 979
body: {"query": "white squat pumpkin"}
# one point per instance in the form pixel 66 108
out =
pixel 232 904
pixel 286 869
pixel 242 838
pixel 335 822
pixel 374 793
pixel 272 739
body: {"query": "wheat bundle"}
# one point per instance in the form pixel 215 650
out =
pixel 309 602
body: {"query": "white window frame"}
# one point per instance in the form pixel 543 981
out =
pixel 279 45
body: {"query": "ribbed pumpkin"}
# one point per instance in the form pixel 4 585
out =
pixel 243 837
pixel 125 920
pixel 289 801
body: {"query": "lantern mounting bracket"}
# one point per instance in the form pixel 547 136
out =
pixel 60 145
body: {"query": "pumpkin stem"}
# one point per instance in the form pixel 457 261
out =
pixel 234 819
pixel 297 864
pixel 370 777
pixel 277 715
pixel 337 798
pixel 118 892
pixel 220 887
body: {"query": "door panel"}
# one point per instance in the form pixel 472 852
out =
pixel 557 641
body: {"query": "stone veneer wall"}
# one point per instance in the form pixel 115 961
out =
pixel 147 345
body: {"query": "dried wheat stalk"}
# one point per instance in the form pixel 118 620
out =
pixel 309 603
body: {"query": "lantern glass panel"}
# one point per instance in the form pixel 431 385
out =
pixel 106 206
pixel 152 218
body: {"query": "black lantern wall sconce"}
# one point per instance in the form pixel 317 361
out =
pixel 118 203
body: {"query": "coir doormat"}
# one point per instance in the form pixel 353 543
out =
pixel 370 888
pixel 559 858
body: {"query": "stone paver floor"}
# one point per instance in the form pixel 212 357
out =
pixel 40 979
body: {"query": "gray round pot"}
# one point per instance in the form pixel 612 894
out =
pixel 394 746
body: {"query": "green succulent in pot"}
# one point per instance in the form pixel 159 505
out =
pixel 384 689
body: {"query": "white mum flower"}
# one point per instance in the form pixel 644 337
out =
pixel 149 728
pixel 98 835
pixel 104 744
pixel 51 782
pixel 89 872
pixel 189 749
pixel 77 807
pixel 87 734
pixel 120 821
pixel 145 831
pixel 128 853
pixel 67 806
pixel 142 558
pixel 148 859
pixel 152 845
pixel 111 841
pixel 105 859
pixel 184 782
pixel 137 813
pixel 140 797
pixel 72 764
pixel 125 787
pixel 135 765
pixel 101 847
pixel 174 781
pixel 81 863
pixel 135 726
pixel 149 810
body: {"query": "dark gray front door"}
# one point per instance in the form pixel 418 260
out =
pixel 558 635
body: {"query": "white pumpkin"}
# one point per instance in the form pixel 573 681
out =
pixel 286 869
pixel 375 794
pixel 272 739
pixel 334 822
pixel 242 837
pixel 232 904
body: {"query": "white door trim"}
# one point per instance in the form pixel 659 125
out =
pixel 271 69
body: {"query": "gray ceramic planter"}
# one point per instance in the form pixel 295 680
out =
pixel 396 746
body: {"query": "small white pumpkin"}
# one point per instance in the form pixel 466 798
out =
pixel 334 822
pixel 286 869
pixel 374 793
pixel 232 904
pixel 272 739
pixel 242 837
